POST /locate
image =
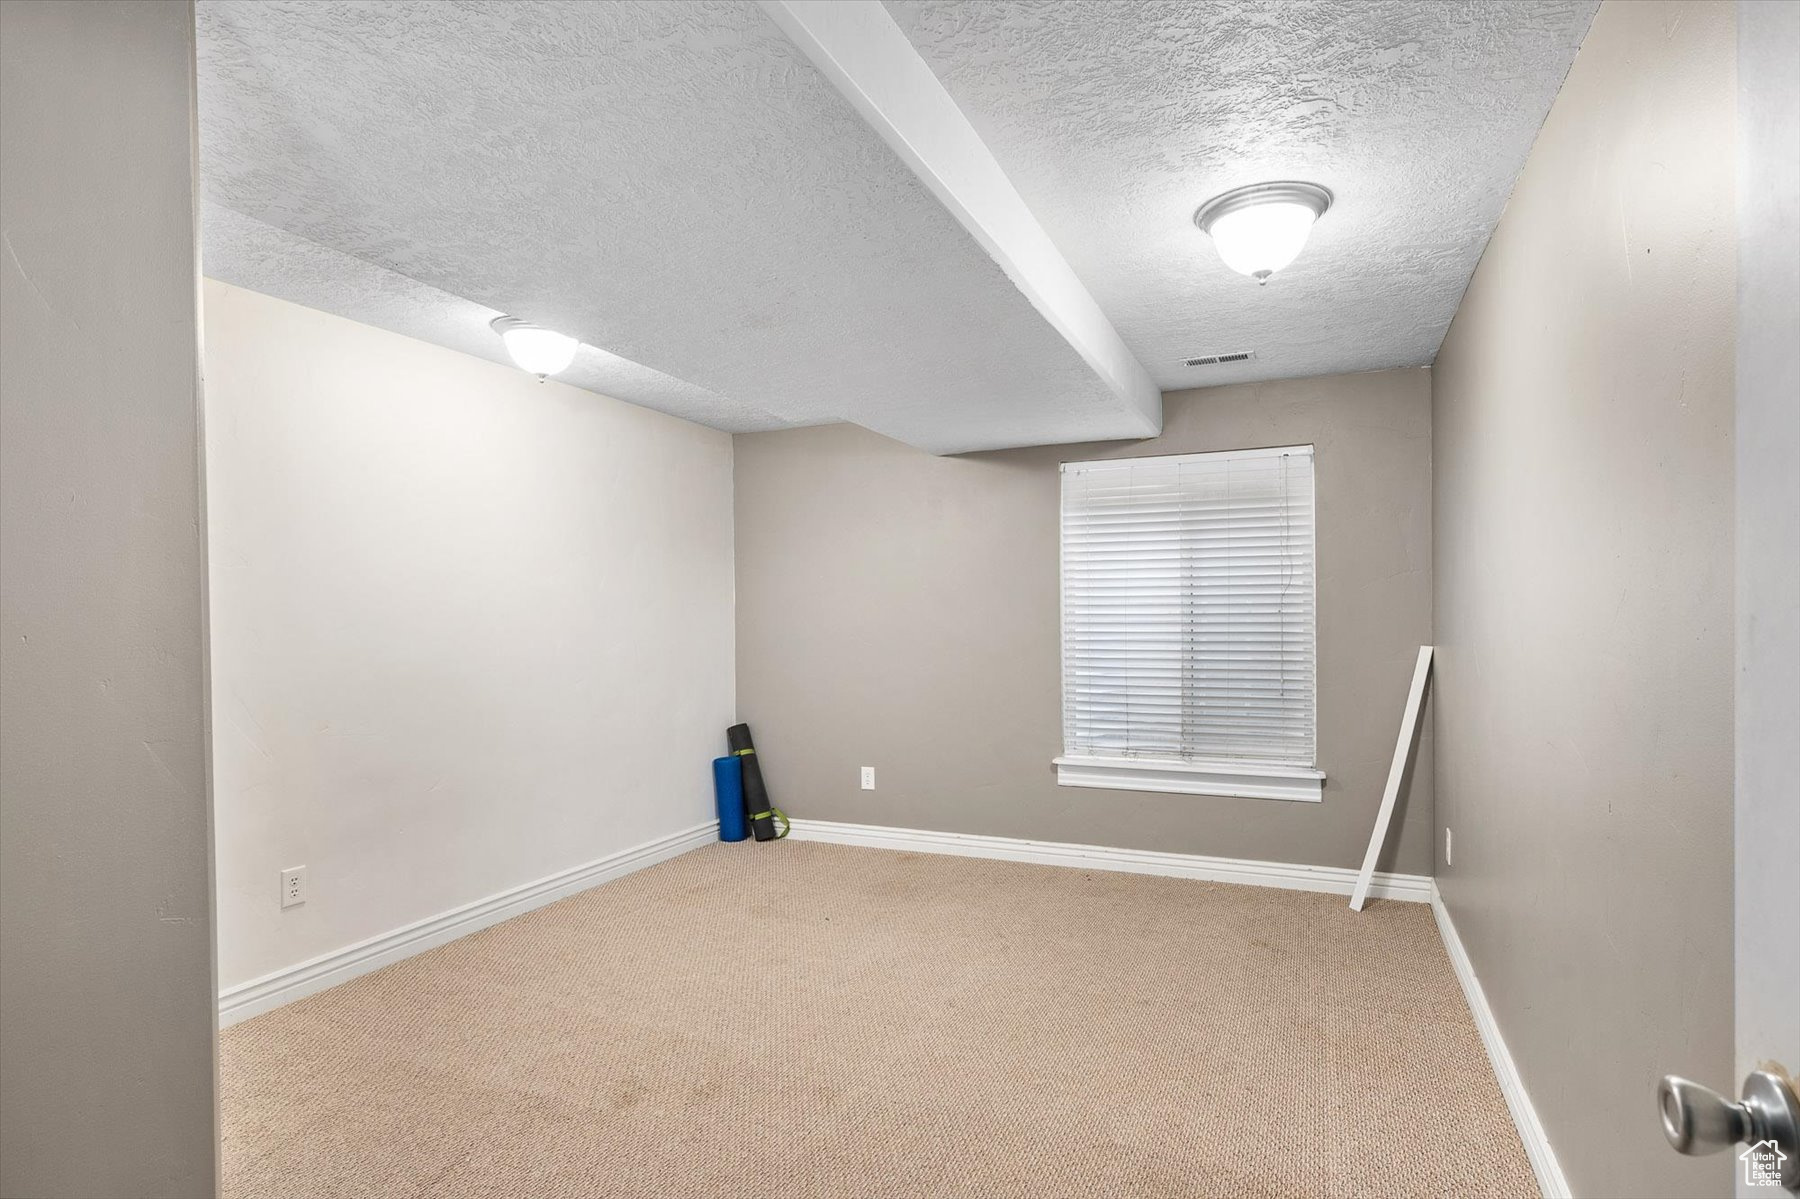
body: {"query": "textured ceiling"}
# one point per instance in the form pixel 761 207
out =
pixel 672 182
pixel 248 253
pixel 1116 120
pixel 680 187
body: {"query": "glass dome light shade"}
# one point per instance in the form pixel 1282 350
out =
pixel 1262 228
pixel 539 351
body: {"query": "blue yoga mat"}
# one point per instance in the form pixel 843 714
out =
pixel 728 788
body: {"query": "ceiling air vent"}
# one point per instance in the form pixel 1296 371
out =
pixel 1218 359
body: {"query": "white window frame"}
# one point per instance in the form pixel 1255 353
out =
pixel 1241 779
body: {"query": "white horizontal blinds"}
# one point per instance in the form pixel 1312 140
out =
pixel 1188 630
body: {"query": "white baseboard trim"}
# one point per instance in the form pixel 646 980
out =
pixel 1549 1173
pixel 1332 880
pixel 264 994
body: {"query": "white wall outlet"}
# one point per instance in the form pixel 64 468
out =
pixel 1446 845
pixel 868 778
pixel 293 886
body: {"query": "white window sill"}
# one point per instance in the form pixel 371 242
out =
pixel 1193 778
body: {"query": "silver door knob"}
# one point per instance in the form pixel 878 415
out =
pixel 1698 1119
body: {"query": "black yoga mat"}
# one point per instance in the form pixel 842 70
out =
pixel 756 795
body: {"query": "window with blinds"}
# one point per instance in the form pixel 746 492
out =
pixel 1188 624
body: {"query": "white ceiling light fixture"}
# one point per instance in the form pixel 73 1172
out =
pixel 539 351
pixel 1261 228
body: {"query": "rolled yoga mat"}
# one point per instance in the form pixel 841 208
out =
pixel 756 796
pixel 728 790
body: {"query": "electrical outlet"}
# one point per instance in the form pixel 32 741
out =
pixel 868 778
pixel 293 886
pixel 1446 846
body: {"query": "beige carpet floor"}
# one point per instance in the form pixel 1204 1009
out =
pixel 811 1020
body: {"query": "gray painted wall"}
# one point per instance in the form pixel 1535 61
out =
pixel 899 610
pixel 106 994
pixel 1583 428
pixel 1768 542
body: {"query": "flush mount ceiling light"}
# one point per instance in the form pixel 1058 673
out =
pixel 539 351
pixel 1261 228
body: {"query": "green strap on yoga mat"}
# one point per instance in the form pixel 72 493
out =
pixel 779 815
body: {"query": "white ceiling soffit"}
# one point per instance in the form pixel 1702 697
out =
pixel 1116 121
pixel 248 253
pixel 870 61
pixel 675 183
